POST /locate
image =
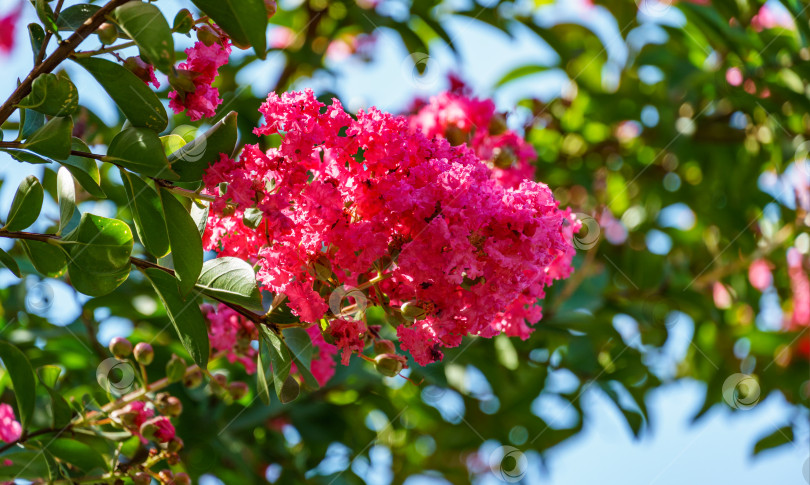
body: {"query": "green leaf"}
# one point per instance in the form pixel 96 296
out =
pixel 140 150
pixel 76 453
pixel 25 465
pixel 781 436
pixel 66 191
pixel 195 157
pixel 26 205
pixel 281 360
pixel 52 94
pixel 245 21
pixel 46 16
pixel 26 156
pixel 144 24
pixel 199 213
pixel 231 280
pixel 302 352
pixel 49 259
pixel 22 378
pixel 36 34
pixel 252 217
pixel 185 240
pixel 91 283
pixel 9 262
pixel 84 170
pixel 147 214
pixel 60 409
pixel 99 244
pixel 134 98
pixel 172 143
pixel 74 16
pixel 264 375
pixel 53 139
pixel 520 72
pixel 34 120
pixel 184 314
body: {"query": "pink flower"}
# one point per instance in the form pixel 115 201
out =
pixel 202 66
pixel 348 335
pixel 8 27
pixel 759 274
pixel 10 428
pixel 771 16
pixel 734 76
pixel 722 298
pixel 158 429
pixel 800 285
pixel 323 365
pixel 232 333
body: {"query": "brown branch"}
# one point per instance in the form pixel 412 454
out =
pixel 60 54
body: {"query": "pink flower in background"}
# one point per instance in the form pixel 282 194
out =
pixel 8 27
pixel 158 429
pixel 281 37
pixel 722 298
pixel 323 365
pixel 10 428
pixel 771 16
pixel 232 333
pixel 734 76
pixel 201 68
pixel 800 286
pixel 759 274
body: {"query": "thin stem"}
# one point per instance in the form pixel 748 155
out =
pixel 105 50
pixel 60 54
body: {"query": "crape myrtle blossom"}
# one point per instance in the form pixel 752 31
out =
pixel 369 202
pixel 8 28
pixel 10 428
pixel 193 91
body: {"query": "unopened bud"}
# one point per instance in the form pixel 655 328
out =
pixel 120 347
pixel 126 418
pixel 107 33
pixel 174 445
pixel 182 80
pixel 141 478
pixel 170 406
pixel 173 459
pixel 183 22
pixel 272 7
pixel 497 124
pixel 238 390
pixel 503 157
pixel 207 35
pixel 220 380
pixel 175 368
pixel 389 365
pixel 412 311
pixel 137 66
pixel 384 347
pixel 455 135
pixel 182 479
pixel 193 379
pixel 144 353
pixel 166 476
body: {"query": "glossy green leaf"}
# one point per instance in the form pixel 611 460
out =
pixel 52 94
pixel 53 139
pixel 195 157
pixel 252 217
pixel 245 21
pixel 172 143
pixel 34 120
pixel 231 280
pixel 199 214
pixel 74 16
pixel 99 244
pixel 45 14
pixel 25 465
pixel 26 206
pixel 60 409
pixel 281 360
pixel 93 283
pixel 49 259
pixel 25 156
pixel 36 35
pixel 66 191
pixel 264 372
pixel 185 241
pixel 134 98
pixel 302 352
pixel 84 170
pixel 147 213
pixel 9 262
pixel 184 314
pixel 140 150
pixel 22 378
pixel 146 25
pixel 76 453
pixel 520 72
pixel 781 436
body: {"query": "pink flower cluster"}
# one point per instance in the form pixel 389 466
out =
pixel 371 196
pixel 10 428
pixel 231 333
pixel 202 67
pixel 8 27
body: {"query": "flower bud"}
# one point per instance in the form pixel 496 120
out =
pixel 497 124
pixel 182 80
pixel 503 157
pixel 141 478
pixel 173 459
pixel 272 7
pixel 175 444
pixel 144 354
pixel 107 33
pixel 182 479
pixel 238 390
pixel 170 406
pixel 389 365
pixel 183 22
pixel 384 347
pixel 137 66
pixel 158 429
pixel 166 476
pixel 193 379
pixel 221 380
pixel 175 369
pixel 412 311
pixel 120 347
pixel 207 35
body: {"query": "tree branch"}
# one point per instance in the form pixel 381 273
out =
pixel 60 54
